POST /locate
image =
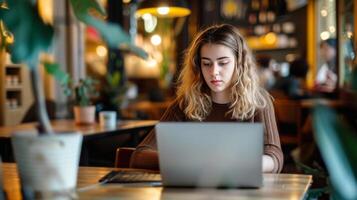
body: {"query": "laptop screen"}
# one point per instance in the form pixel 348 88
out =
pixel 210 154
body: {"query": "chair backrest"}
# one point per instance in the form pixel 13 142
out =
pixel 288 117
pixel 288 111
pixel 153 110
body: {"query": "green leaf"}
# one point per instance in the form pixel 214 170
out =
pixel 31 34
pixel 60 76
pixel 113 34
pixel 81 7
pixel 54 70
pixel 312 171
pixel 114 79
pixel 338 145
pixel 317 192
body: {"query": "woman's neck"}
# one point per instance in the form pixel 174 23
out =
pixel 220 98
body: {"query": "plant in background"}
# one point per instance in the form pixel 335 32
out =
pixel 114 90
pixel 320 177
pixel 82 93
pixel 32 36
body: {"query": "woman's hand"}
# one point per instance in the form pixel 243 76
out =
pixel 268 164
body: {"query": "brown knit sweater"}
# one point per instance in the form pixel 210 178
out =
pixel 145 155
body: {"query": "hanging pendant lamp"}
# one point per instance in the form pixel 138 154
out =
pixel 163 8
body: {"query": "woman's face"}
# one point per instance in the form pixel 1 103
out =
pixel 217 65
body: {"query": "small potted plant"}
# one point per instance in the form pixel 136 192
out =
pixel 81 93
pixel 84 110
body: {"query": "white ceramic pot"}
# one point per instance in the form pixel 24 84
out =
pixel 84 114
pixel 47 163
pixel 108 119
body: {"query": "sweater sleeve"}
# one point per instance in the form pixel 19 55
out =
pixel 145 155
pixel 272 146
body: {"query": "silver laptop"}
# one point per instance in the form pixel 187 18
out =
pixel 210 154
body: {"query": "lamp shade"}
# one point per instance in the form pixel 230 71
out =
pixel 163 8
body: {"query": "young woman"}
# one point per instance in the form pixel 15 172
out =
pixel 219 83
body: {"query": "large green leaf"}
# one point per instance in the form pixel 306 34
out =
pixel 54 70
pixel 114 35
pixel 60 76
pixel 31 34
pixel 338 145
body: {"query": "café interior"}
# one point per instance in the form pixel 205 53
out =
pixel 305 57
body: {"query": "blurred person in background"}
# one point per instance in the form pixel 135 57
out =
pixel 326 78
pixel 265 72
pixel 294 85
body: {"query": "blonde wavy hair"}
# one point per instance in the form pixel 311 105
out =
pixel 193 93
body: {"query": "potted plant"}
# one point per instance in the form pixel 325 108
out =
pixel 47 162
pixel 84 110
pixel 81 93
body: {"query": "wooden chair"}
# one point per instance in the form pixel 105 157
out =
pixel 122 157
pixel 288 116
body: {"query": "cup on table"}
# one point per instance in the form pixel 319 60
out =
pixel 108 119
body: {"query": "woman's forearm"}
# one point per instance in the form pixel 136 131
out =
pixel 268 164
pixel 145 159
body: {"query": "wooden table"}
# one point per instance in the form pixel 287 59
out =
pixel 276 186
pixel 88 131
pixel 131 130
pixel 310 103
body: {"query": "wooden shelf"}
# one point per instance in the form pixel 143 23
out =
pixel 13 65
pixel 13 87
pixel 19 108
pixel 15 93
pixel 276 49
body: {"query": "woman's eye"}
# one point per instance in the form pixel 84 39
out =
pixel 206 64
pixel 223 63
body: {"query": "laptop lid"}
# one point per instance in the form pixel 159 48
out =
pixel 210 154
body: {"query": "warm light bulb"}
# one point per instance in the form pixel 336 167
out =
pixel 325 35
pixel 163 10
pixel 150 22
pixel 270 38
pixel 349 34
pixel 151 63
pixel 332 29
pixel 45 8
pixel 146 16
pixel 156 40
pixel 324 12
pixel 101 51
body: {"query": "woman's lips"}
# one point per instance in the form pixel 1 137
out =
pixel 216 82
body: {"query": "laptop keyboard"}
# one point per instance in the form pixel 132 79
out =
pixel 122 176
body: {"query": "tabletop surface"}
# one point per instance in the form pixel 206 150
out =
pixel 68 125
pixel 332 103
pixel 276 186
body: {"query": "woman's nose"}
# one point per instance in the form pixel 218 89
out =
pixel 215 70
